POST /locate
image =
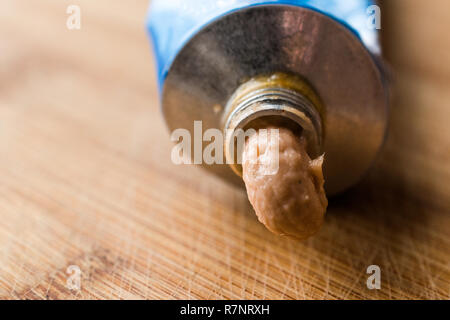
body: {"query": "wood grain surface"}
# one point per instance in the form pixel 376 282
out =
pixel 86 177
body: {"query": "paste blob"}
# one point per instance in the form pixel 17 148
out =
pixel 291 200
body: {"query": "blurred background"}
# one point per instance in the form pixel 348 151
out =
pixel 86 178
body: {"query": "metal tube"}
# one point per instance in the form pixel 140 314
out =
pixel 206 50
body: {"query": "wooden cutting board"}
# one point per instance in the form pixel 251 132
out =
pixel 86 178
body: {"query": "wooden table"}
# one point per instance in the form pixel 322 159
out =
pixel 86 177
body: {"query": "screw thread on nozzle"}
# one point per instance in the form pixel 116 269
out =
pixel 277 100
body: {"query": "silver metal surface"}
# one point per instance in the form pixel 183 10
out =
pixel 293 40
